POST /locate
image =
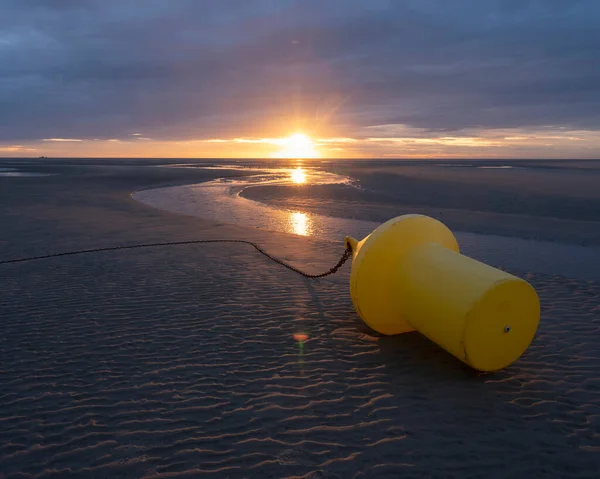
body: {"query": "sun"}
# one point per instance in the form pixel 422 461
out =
pixel 297 145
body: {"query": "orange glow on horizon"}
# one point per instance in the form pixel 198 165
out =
pixel 379 141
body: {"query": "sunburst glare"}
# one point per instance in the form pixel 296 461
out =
pixel 297 145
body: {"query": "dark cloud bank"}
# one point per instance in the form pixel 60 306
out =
pixel 202 69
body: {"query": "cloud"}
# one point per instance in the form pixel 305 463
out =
pixel 15 149
pixel 187 70
pixel 62 140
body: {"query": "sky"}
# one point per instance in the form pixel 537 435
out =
pixel 361 79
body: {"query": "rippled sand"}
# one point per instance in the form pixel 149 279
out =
pixel 182 362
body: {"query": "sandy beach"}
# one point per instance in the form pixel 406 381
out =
pixel 181 362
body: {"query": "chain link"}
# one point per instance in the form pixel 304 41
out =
pixel 347 254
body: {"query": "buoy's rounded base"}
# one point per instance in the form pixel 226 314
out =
pixel 375 260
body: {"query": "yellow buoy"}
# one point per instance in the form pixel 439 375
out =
pixel 408 275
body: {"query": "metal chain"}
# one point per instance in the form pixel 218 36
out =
pixel 333 270
pixel 347 254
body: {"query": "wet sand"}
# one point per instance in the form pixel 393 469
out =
pixel 181 362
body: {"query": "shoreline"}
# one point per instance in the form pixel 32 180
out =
pixel 523 226
pixel 516 254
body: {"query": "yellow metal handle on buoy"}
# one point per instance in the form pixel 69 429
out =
pixel 409 275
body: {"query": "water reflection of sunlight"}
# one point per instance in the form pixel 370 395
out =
pixel 298 176
pixel 300 224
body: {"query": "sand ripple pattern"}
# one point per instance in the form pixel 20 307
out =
pixel 181 364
